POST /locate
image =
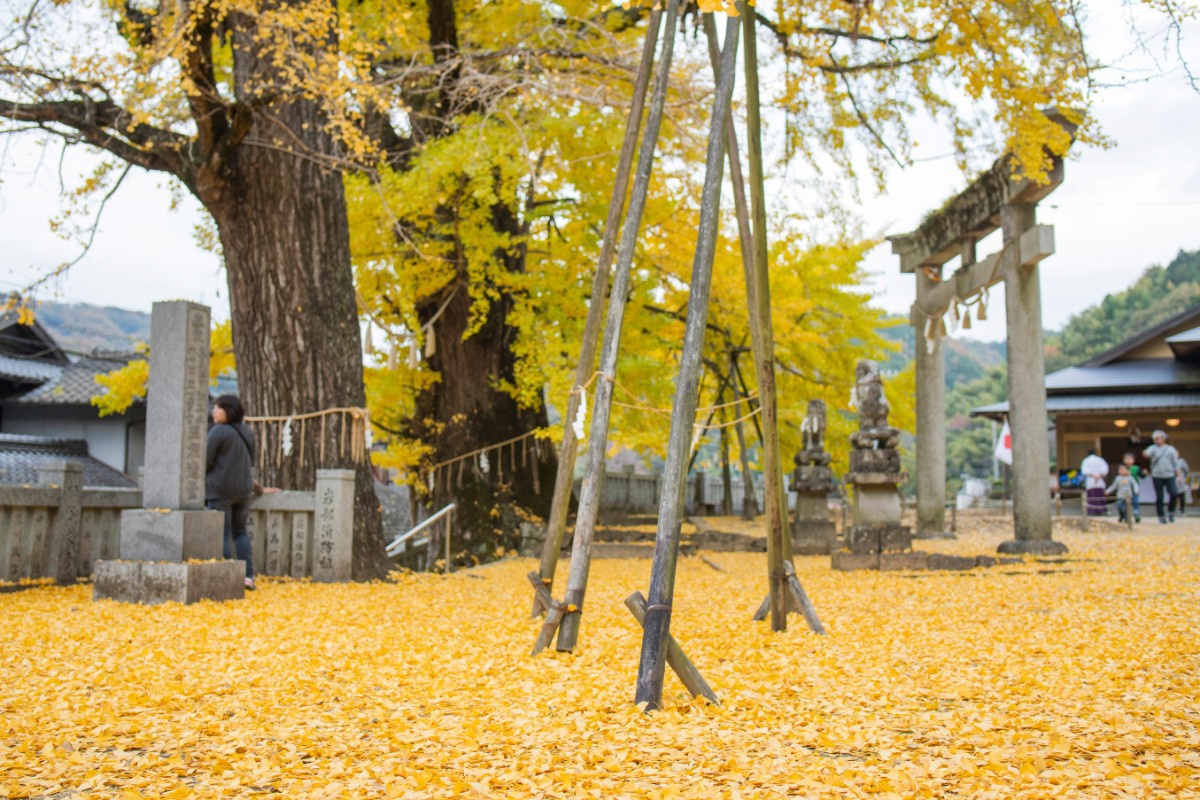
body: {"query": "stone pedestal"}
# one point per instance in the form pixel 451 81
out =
pixel 874 475
pixel 154 582
pixel 150 535
pixel 165 545
pixel 813 533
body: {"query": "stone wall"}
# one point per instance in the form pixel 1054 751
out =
pixel 283 527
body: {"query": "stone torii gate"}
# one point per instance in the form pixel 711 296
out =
pixel 994 201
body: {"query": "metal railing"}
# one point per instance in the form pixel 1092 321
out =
pixel 399 544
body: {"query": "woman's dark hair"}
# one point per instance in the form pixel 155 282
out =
pixel 232 406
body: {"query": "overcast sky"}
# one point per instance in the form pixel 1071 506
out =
pixel 1117 212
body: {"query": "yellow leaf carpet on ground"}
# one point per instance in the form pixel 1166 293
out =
pixel 1075 679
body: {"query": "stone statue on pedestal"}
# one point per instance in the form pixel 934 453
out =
pixel 875 474
pixel 812 531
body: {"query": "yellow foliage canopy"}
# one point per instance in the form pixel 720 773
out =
pixel 1025 681
pixel 126 385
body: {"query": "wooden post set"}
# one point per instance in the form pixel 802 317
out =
pixel 654 612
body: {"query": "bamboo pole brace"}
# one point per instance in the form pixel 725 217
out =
pixel 778 539
pixel 565 476
pixel 656 629
pixel 800 600
pixel 680 664
pixel 589 500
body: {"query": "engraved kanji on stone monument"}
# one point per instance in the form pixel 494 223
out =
pixel 163 544
pixel 812 531
pixel 333 534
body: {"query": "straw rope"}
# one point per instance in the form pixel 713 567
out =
pixel 352 433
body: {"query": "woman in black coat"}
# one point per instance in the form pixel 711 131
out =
pixel 229 484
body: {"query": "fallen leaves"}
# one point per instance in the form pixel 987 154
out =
pixel 1038 680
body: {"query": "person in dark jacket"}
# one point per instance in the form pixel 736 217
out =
pixel 229 485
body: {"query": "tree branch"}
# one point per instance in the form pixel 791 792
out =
pixel 107 126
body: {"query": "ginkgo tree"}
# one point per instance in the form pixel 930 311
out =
pixel 259 108
pixel 475 144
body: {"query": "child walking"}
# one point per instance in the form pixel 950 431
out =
pixel 1136 473
pixel 1124 487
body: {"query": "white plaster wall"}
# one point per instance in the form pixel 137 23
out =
pixel 105 436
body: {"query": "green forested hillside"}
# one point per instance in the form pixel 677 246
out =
pixel 966 359
pixel 1160 293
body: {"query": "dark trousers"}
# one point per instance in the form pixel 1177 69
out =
pixel 1123 509
pixel 1172 493
pixel 237 538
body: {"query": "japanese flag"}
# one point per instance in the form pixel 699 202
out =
pixel 1003 451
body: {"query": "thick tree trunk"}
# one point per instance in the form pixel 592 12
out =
pixel 467 413
pixel 295 323
pixel 280 210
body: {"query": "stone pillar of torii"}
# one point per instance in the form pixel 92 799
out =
pixel 995 201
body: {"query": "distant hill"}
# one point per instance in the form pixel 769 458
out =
pixel 81 328
pixel 1158 294
pixel 966 359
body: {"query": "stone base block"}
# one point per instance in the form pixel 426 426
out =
pixel 1038 547
pixel 935 535
pixel 877 505
pixel 893 538
pixel 916 560
pixel 148 535
pixel 847 562
pixel 813 537
pixel 153 582
pixel 943 561
pixel 862 539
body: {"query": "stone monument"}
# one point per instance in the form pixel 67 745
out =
pixel 874 474
pixel 170 548
pixel 812 531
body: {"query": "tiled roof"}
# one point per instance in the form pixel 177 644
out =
pixel 25 369
pixel 21 457
pixel 1057 404
pixel 76 385
pixel 1125 375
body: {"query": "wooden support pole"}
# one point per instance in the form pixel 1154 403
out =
pixel 775 500
pixel 749 498
pixel 726 474
pixel 682 666
pixel 799 600
pixel 565 477
pixel 652 663
pixel 746 242
pixel 589 500
pixel 549 626
pixel 541 590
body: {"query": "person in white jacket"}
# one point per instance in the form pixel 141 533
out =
pixel 1095 470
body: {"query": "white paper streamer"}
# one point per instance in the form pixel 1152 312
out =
pixel 580 415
